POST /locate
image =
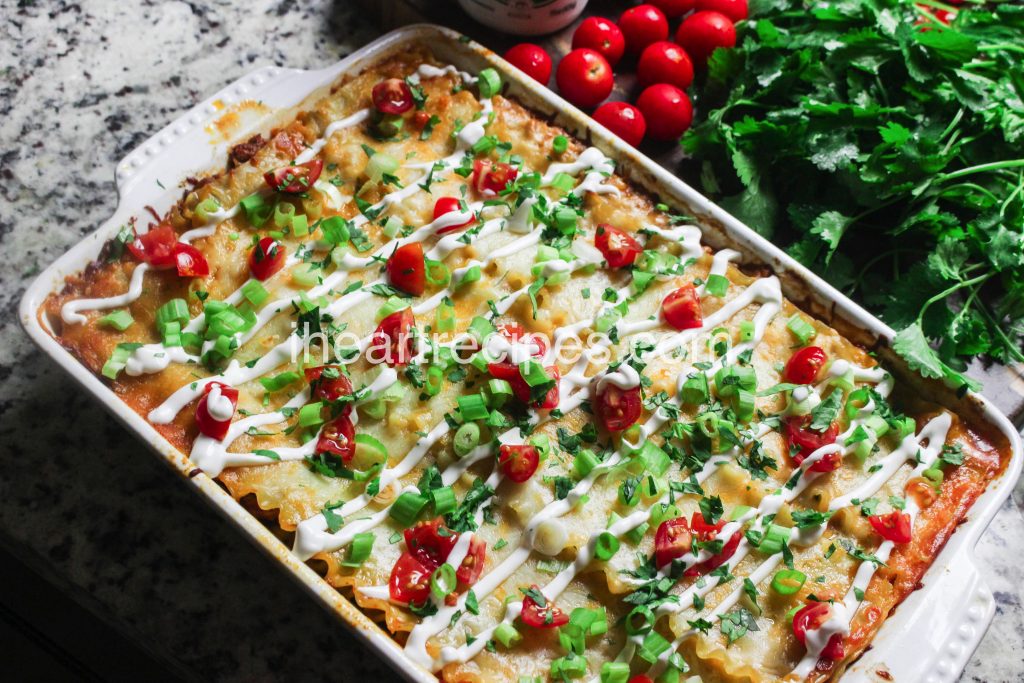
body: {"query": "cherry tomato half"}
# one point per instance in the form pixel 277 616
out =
pixel 641 26
pixel 429 544
pixel 736 10
pixel 716 561
pixel 533 60
pixel 665 62
pixel 681 308
pixel 518 462
pixel 623 119
pixel 338 438
pixel 407 270
pixel 392 96
pixel 328 383
pixel 584 77
pixel 666 109
pixel 393 341
pixel 410 580
pixel 702 33
pixel 601 35
pixel 266 258
pixel 674 8
pixel 208 424
pixel 672 540
pixel 799 435
pixel 491 177
pixel 895 526
pixel 702 529
pixel 618 409
pixel 294 179
pixel 189 261
pixel 543 614
pixel 155 246
pixel 472 566
pixel 445 205
pixel 618 248
pixel 810 618
pixel 804 365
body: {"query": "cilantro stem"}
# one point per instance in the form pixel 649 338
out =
pixel 982 168
pixel 995 325
pixel 952 289
pixel 1001 46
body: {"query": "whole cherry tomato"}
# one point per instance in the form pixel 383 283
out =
pixel 539 612
pixel 266 258
pixel 446 205
pixel 619 248
pixel 681 308
pixel 518 462
pixel 392 96
pixel 643 25
pixel 601 35
pixel 799 435
pixel 624 120
pixel 584 77
pixel 674 8
pixel 667 110
pixel 672 540
pixel 895 526
pixel 736 10
pixel 804 365
pixel 665 62
pixel 618 409
pixel 810 618
pixel 702 33
pixel 407 270
pixel 532 60
pixel 294 179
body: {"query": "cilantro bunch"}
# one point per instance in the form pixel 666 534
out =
pixel 884 150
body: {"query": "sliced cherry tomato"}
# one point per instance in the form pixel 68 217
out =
pixel 702 529
pixel 681 308
pixel 736 10
pixel 703 32
pixel 518 462
pixel 266 258
pixel 532 60
pixel 623 119
pixel 507 370
pixel 618 409
pixel 619 248
pixel 338 438
pixel 329 383
pixel 674 8
pixel 584 77
pixel 716 561
pixel 672 540
pixel 601 35
pixel 666 109
pixel 922 491
pixel 490 178
pixel 189 261
pixel 294 179
pixel 804 365
pixel 407 268
pixel 810 618
pixel 392 96
pixel 446 205
pixel 640 678
pixel 665 62
pixel 800 435
pixel 895 526
pixel 155 246
pixel 410 580
pixel 542 614
pixel 472 565
pixel 393 337
pixel 430 542
pixel 522 390
pixel 641 26
pixel 208 424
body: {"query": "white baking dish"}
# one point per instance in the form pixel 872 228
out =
pixel 928 639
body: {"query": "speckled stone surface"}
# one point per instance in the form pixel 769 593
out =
pixel 87 82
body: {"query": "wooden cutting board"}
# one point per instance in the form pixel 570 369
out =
pixel 1004 385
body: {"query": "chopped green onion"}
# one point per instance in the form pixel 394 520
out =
pixel 655 460
pixel 472 407
pixel 716 285
pixel 469 276
pixel 489 83
pixel 636 535
pixel 119 320
pixel 641 281
pixel 640 620
pixel 533 373
pixel 560 144
pixel 118 359
pixel 369 452
pixel 359 550
pixel 437 273
pixel 283 214
pixel 434 380
pixel 306 274
pixel 442 581
pixel 300 225
pixel 542 442
pixel 175 310
pixel 467 437
pixel 563 182
pixel 615 672
pixel 605 546
pixel 392 226
pixel 653 646
pixel 738 512
pixel 747 331
pixel 407 508
pixel 506 634
pixel 788 581
pixel 335 229
pixel 394 304
pixel 480 328
pixel 662 512
pixel 278 382
pixel 445 317
pixel 311 414
pixel 254 292
pixel 585 462
pixel 695 390
pixel 773 539
pixel 746 402
pixel 379 165
pixel 498 392
pixel 571 666
pixel 443 500
pixel 801 329
pixel 565 219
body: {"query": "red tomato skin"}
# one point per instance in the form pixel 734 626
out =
pixel 266 258
pixel 623 119
pixel 643 25
pixel 798 433
pixel 410 580
pixel 155 246
pixel 716 561
pixel 895 526
pixel 522 390
pixel 584 78
pixel 215 429
pixel 672 540
pixel 445 205
pixel 393 335
pixel 702 530
pixel 674 8
pixel 533 60
pixel 665 62
pixel 406 268
pixel 703 32
pixel 429 546
pixel 490 177
pixel 735 10
pixel 472 566
pixel 640 678
pixel 618 247
pixel 667 110
pixel 601 35
pixel 681 308
pixel 392 96
pixel 189 261
pixel 338 438
pixel 294 179
pixel 618 409
pixel 810 618
pixel 518 462
pixel 331 388
pixel 548 616
pixel 804 366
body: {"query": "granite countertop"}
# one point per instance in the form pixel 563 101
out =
pixel 80 498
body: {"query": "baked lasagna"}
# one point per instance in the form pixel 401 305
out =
pixel 512 407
